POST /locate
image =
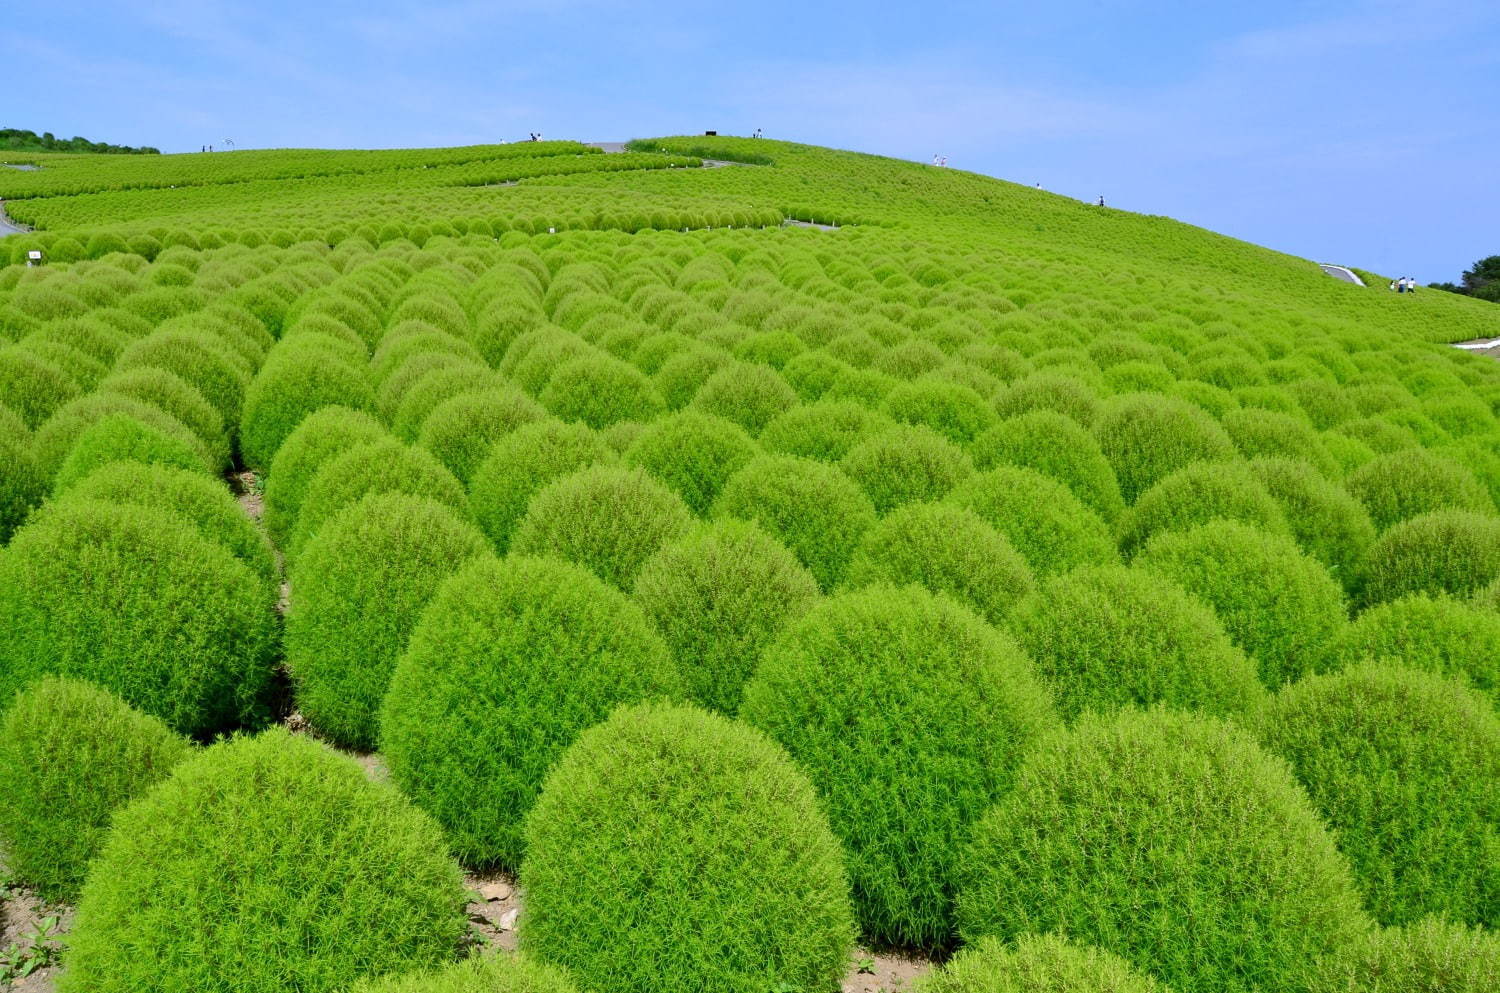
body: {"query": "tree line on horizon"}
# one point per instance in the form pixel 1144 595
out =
pixel 22 140
pixel 1481 281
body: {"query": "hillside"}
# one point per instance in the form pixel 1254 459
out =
pixel 728 565
pixel 23 140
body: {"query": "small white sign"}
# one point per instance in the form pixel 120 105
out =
pixel 34 254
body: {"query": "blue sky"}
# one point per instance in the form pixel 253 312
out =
pixel 1366 133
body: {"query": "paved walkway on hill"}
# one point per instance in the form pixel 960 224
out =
pixel 1341 272
pixel 8 226
pixel 24 167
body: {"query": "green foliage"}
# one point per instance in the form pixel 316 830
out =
pixel 1406 484
pixel 1431 956
pixel 1170 840
pixel 718 596
pixel 357 592
pixel 1270 434
pixel 508 664
pixel 274 854
pixel 1404 766
pixel 501 972
pixel 21 484
pixel 463 429
pixel 1447 551
pixel 1056 446
pixel 1277 604
pixel 719 857
pixel 1196 494
pixel 70 753
pixel 187 640
pixel 524 462
pixel 954 411
pixel 54 441
pixel 824 430
pixel 906 464
pixel 1045 964
pixel 948 550
pixel 1436 634
pixel 694 454
pixel 1327 523
pixel 321 436
pixel 749 395
pixel 301 375
pixel 1147 436
pixel 121 438
pixel 812 508
pixel 958 705
pixel 1109 637
pixel 1040 516
pixel 609 519
pixel 599 391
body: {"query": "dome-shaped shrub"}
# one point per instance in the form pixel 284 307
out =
pixel 719 857
pixel 1431 956
pixel 1171 840
pixel 21 484
pixel 357 592
pixel 1436 634
pixel 264 864
pixel 954 411
pixel 825 430
pixel 70 753
pixel 1269 434
pixel 121 438
pixel 462 430
pixel 693 453
pixel 1404 766
pixel 601 390
pixel 138 601
pixel 906 464
pixel 321 436
pixel 1411 482
pixel 522 463
pixel 1035 964
pixel 1051 391
pixel 1280 606
pixel 1489 596
pixel 55 439
pixel 1328 523
pixel 508 664
pixel 718 596
pixel 1056 446
pixel 299 377
pixel 811 507
pixel 609 519
pixel 1196 494
pixel 897 693
pixel 1148 436
pixel 500 972
pixel 749 395
pixel 1447 551
pixel 1109 637
pixel 167 392
pixel 384 466
pixel 1040 516
pixel 945 549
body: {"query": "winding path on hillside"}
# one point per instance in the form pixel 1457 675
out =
pixel 8 226
pixel 1341 272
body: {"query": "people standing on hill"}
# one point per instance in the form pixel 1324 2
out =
pixel 1411 284
pixel 1393 286
pixel 1101 199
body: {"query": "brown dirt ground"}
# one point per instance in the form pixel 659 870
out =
pixel 20 912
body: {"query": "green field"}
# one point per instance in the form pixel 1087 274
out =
pixel 770 559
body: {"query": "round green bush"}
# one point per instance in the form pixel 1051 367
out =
pixel 1447 551
pixel 321 436
pixel 508 664
pixel 357 592
pixel 168 392
pixel 55 439
pixel 33 387
pixel 1171 840
pixel 811 507
pixel 609 519
pixel 1041 518
pixel 749 395
pixel 1109 637
pixel 1051 391
pixel 1406 484
pixel 945 549
pixel 1269 434
pixel 522 463
pixel 906 464
pixel 1056 446
pixel 384 466
pixel 718 596
pixel 121 438
pixel 1280 606
pixel 693 453
pixel 600 390
pixel 21 484
pixel 718 855
pixel 1436 634
pixel 825 430
pixel 263 864
pixel 500 972
pixel 1035 964
pixel 1431 956
pixel 298 378
pixel 1404 766
pixel 954 411
pixel 1196 494
pixel 1489 596
pixel 898 693
pixel 1147 436
pixel 139 601
pixel 1328 523
pixel 70 753
pixel 462 430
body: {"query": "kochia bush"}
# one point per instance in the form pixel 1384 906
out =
pixel 692 453
pixel 719 856
pixel 1041 517
pixel 320 437
pixel 749 395
pixel 299 377
pixel 1056 446
pixel 1196 494
pixel 825 430
pixel 1431 956
pixel 1328 523
pixel 463 429
pixel 1412 482
pixel 1455 552
pixel 1045 964
pixel 121 438
pixel 600 390
pixel 906 464
pixel 934 666
pixel 522 463
pixel 1436 634
pixel 1147 436
pixel 272 853
pixel 500 972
